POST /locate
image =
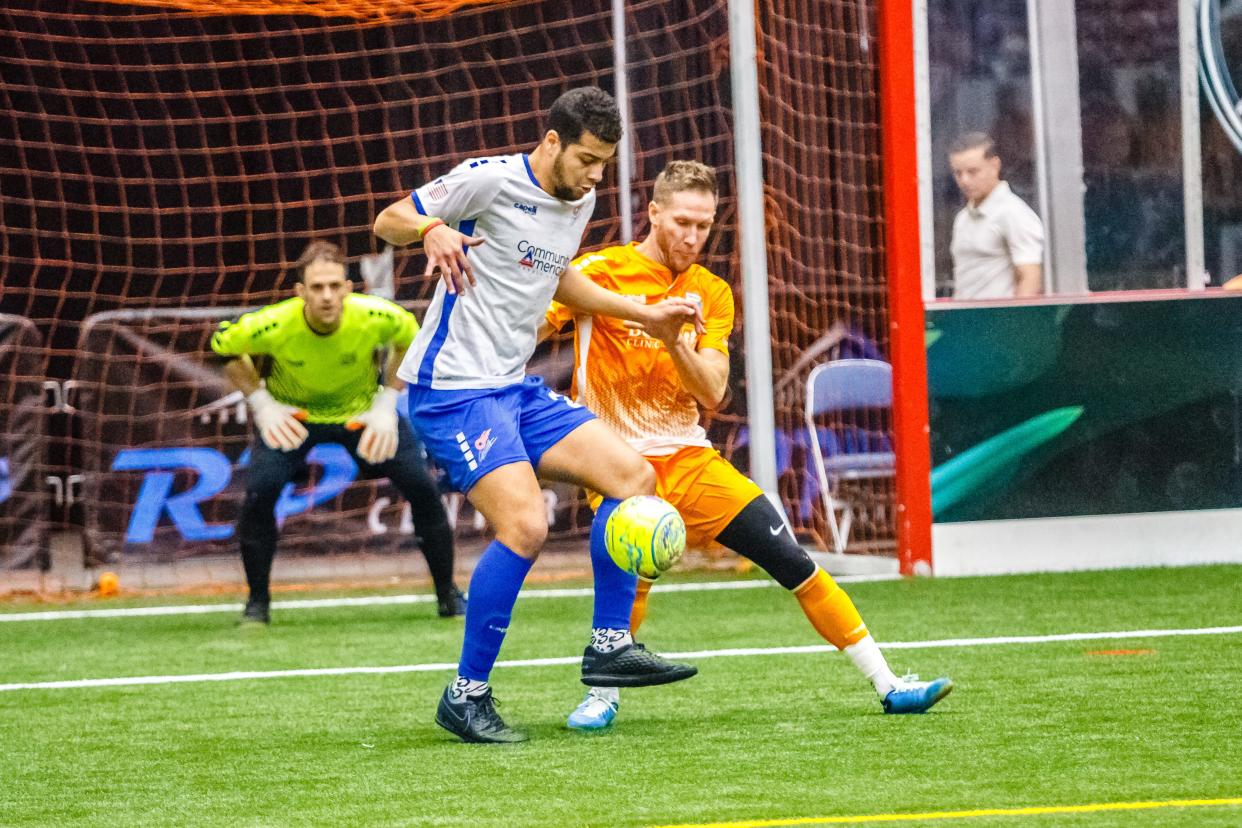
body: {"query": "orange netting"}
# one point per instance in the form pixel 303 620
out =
pixel 376 11
pixel 819 96
pixel 158 168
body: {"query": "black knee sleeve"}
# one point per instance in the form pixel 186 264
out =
pixel 760 534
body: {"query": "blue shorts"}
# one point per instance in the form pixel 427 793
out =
pixel 472 432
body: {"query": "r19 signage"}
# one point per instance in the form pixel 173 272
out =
pixel 214 472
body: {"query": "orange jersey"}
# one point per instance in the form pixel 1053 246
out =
pixel 625 376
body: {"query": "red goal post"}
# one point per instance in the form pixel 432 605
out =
pixel 908 352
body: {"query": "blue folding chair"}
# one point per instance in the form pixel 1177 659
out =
pixel 846 386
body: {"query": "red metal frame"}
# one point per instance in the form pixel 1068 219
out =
pixel 905 301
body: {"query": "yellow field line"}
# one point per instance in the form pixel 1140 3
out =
pixel 982 812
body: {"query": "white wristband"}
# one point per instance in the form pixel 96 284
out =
pixel 385 399
pixel 260 397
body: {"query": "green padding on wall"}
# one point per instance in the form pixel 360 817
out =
pixel 984 464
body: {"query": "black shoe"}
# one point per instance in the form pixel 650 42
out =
pixel 257 611
pixel 630 666
pixel 452 603
pixel 475 719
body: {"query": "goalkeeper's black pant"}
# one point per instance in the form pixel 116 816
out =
pixel 270 469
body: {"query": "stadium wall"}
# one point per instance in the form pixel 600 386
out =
pixel 1090 433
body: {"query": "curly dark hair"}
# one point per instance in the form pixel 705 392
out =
pixel 586 109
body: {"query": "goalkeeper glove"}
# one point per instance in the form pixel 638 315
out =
pixel 379 424
pixel 278 424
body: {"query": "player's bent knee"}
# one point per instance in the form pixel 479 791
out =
pixel 646 478
pixel 524 533
pixel 760 534
pixel 636 478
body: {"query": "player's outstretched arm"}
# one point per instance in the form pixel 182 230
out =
pixel 704 373
pixel 584 296
pixel 241 372
pixel 400 223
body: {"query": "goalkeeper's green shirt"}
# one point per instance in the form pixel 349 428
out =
pixel 331 377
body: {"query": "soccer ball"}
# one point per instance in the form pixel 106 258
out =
pixel 645 536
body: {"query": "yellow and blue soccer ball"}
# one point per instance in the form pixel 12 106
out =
pixel 645 536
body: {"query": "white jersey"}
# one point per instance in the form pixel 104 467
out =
pixel 484 337
pixel 989 239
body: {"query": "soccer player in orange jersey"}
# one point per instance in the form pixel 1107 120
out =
pixel 649 390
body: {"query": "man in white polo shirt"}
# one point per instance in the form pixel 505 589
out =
pixel 998 241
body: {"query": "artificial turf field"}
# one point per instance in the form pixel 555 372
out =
pixel 792 738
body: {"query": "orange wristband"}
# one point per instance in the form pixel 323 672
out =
pixel 431 225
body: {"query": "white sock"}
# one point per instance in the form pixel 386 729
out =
pixel 608 639
pixel 608 694
pixel 463 687
pixel 871 663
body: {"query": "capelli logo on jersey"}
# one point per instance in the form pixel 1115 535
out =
pixel 541 259
pixel 528 209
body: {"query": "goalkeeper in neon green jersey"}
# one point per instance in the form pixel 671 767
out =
pixel 322 387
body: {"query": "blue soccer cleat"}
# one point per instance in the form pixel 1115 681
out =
pixel 595 713
pixel 914 696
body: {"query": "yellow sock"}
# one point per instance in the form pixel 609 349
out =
pixel 830 610
pixel 640 605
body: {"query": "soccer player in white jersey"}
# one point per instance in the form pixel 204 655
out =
pixel 501 231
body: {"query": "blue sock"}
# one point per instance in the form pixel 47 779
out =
pixel 614 587
pixel 494 589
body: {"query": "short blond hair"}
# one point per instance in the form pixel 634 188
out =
pixel 680 176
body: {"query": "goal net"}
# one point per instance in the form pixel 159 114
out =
pixel 165 162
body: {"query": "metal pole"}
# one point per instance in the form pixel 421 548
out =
pixel 1038 121
pixel 625 152
pixel 922 115
pixel 749 159
pixel 1058 138
pixel 1192 161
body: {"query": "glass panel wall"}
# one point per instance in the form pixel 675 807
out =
pixel 1131 144
pixel 1222 167
pixel 1129 104
pixel 980 78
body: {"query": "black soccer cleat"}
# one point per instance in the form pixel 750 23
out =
pixel 475 720
pixel 631 666
pixel 257 611
pixel 451 603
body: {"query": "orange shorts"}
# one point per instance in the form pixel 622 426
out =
pixel 704 487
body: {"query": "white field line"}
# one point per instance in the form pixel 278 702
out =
pixel 566 660
pixel 386 600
